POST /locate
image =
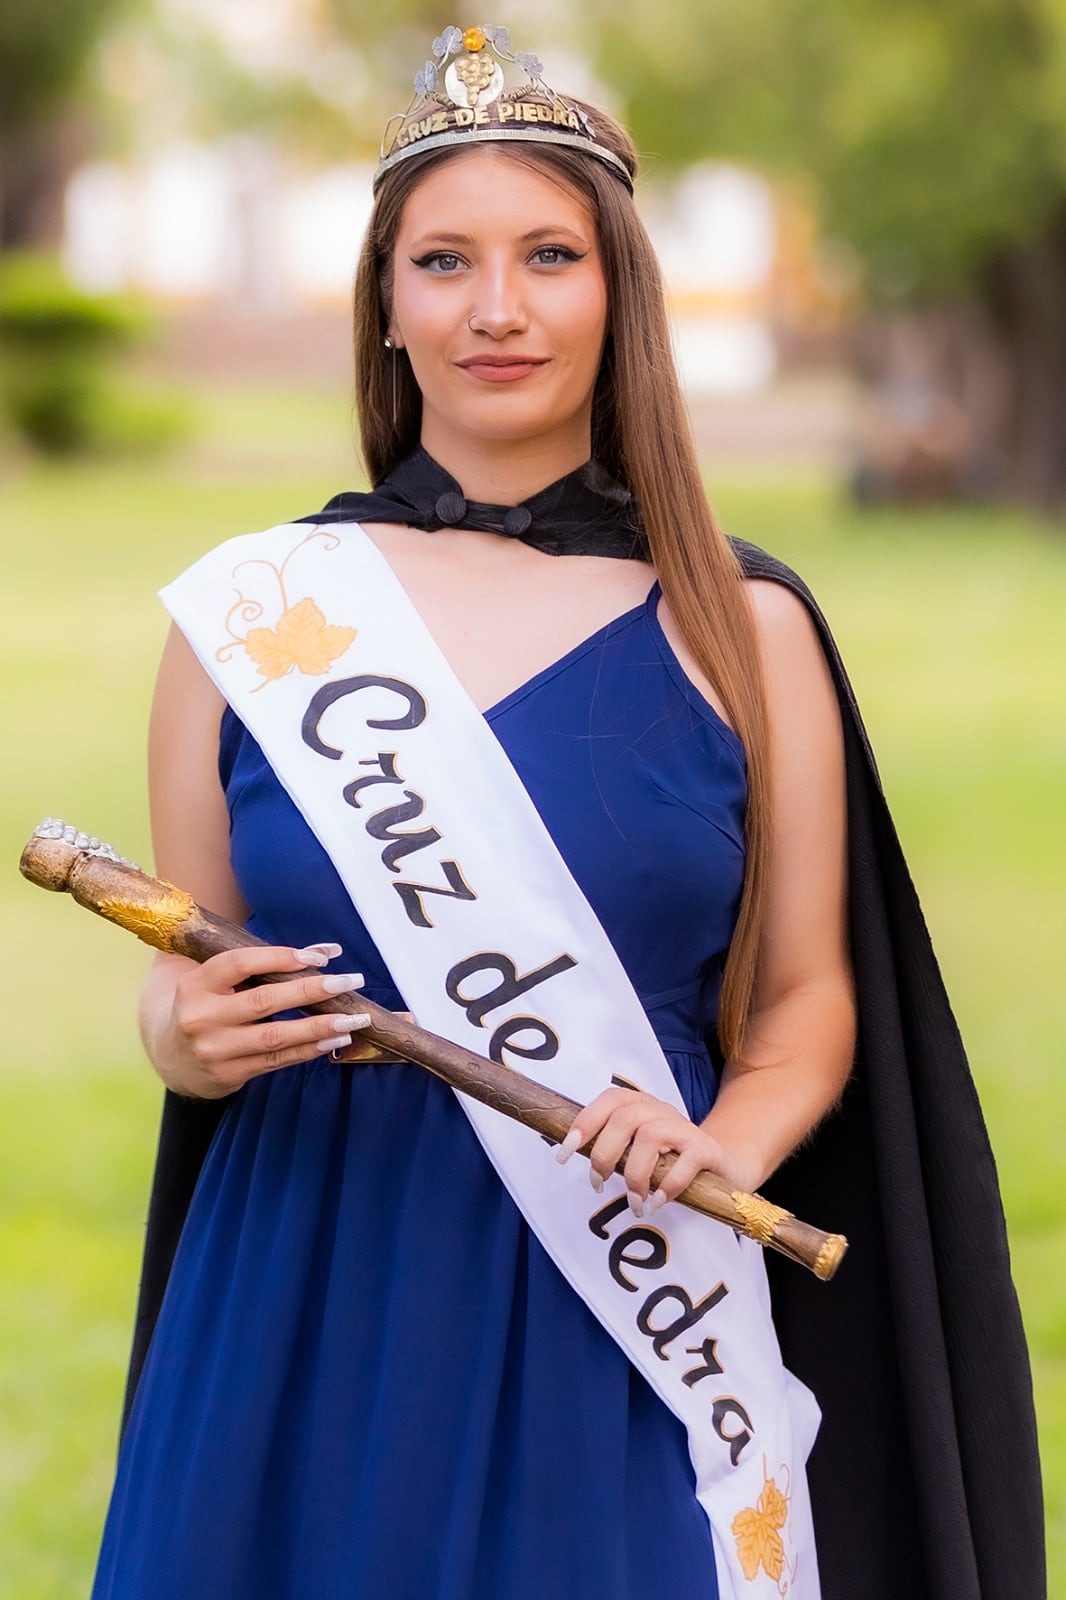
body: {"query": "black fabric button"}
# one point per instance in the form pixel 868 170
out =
pixel 451 509
pixel 517 521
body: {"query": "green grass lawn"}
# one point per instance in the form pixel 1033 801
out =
pixel 952 626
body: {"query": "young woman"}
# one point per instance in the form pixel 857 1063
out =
pixel 385 1365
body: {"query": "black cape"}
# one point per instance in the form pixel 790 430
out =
pixel 925 1476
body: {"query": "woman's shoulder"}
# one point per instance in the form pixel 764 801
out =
pixel 792 630
pixel 758 564
pixel 786 619
pixel 799 665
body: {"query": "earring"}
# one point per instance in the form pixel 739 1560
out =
pixel 394 381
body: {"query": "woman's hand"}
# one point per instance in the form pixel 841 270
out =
pixel 214 1036
pixel 621 1120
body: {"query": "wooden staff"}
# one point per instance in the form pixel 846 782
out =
pixel 59 857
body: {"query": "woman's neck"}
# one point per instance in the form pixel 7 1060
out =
pixel 507 471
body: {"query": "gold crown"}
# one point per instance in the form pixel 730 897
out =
pixel 461 98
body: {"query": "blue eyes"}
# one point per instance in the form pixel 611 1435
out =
pixel 443 263
pixel 440 260
pixel 559 251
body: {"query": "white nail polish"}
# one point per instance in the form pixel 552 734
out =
pixel 341 1023
pixel 636 1204
pixel 655 1201
pixel 359 1019
pixel 595 1180
pixel 342 982
pixel 566 1149
pixel 313 956
pixel 325 1046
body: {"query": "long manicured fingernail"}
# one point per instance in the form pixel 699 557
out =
pixel 358 1019
pixel 566 1149
pixel 655 1201
pixel 342 982
pixel 343 1023
pixel 595 1180
pixel 636 1204
pixel 324 1046
pixel 316 955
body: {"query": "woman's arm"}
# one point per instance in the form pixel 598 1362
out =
pixel 190 824
pixel 203 1035
pixel 799 1044
pixel 800 1040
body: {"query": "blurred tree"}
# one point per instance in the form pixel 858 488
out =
pixel 931 136
pixel 369 43
pixel 44 52
pixel 320 82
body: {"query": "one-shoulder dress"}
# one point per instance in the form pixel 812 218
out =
pixel 368 1381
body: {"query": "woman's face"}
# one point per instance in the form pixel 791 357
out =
pixel 500 301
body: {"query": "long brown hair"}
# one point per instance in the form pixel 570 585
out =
pixel 641 433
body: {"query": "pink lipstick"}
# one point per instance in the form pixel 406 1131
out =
pixel 501 368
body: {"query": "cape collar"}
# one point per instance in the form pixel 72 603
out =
pixel 585 513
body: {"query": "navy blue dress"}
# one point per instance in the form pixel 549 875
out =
pixel 368 1380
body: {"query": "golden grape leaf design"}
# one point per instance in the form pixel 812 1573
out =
pixel 758 1534
pixel 302 639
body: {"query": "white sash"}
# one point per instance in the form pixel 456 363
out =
pixel 319 650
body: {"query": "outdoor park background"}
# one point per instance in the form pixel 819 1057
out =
pixel 920 227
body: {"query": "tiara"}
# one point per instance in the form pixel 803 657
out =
pixel 461 98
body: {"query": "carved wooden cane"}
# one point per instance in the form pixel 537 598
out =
pixel 59 857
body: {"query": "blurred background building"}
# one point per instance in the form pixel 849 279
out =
pixel 227 224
